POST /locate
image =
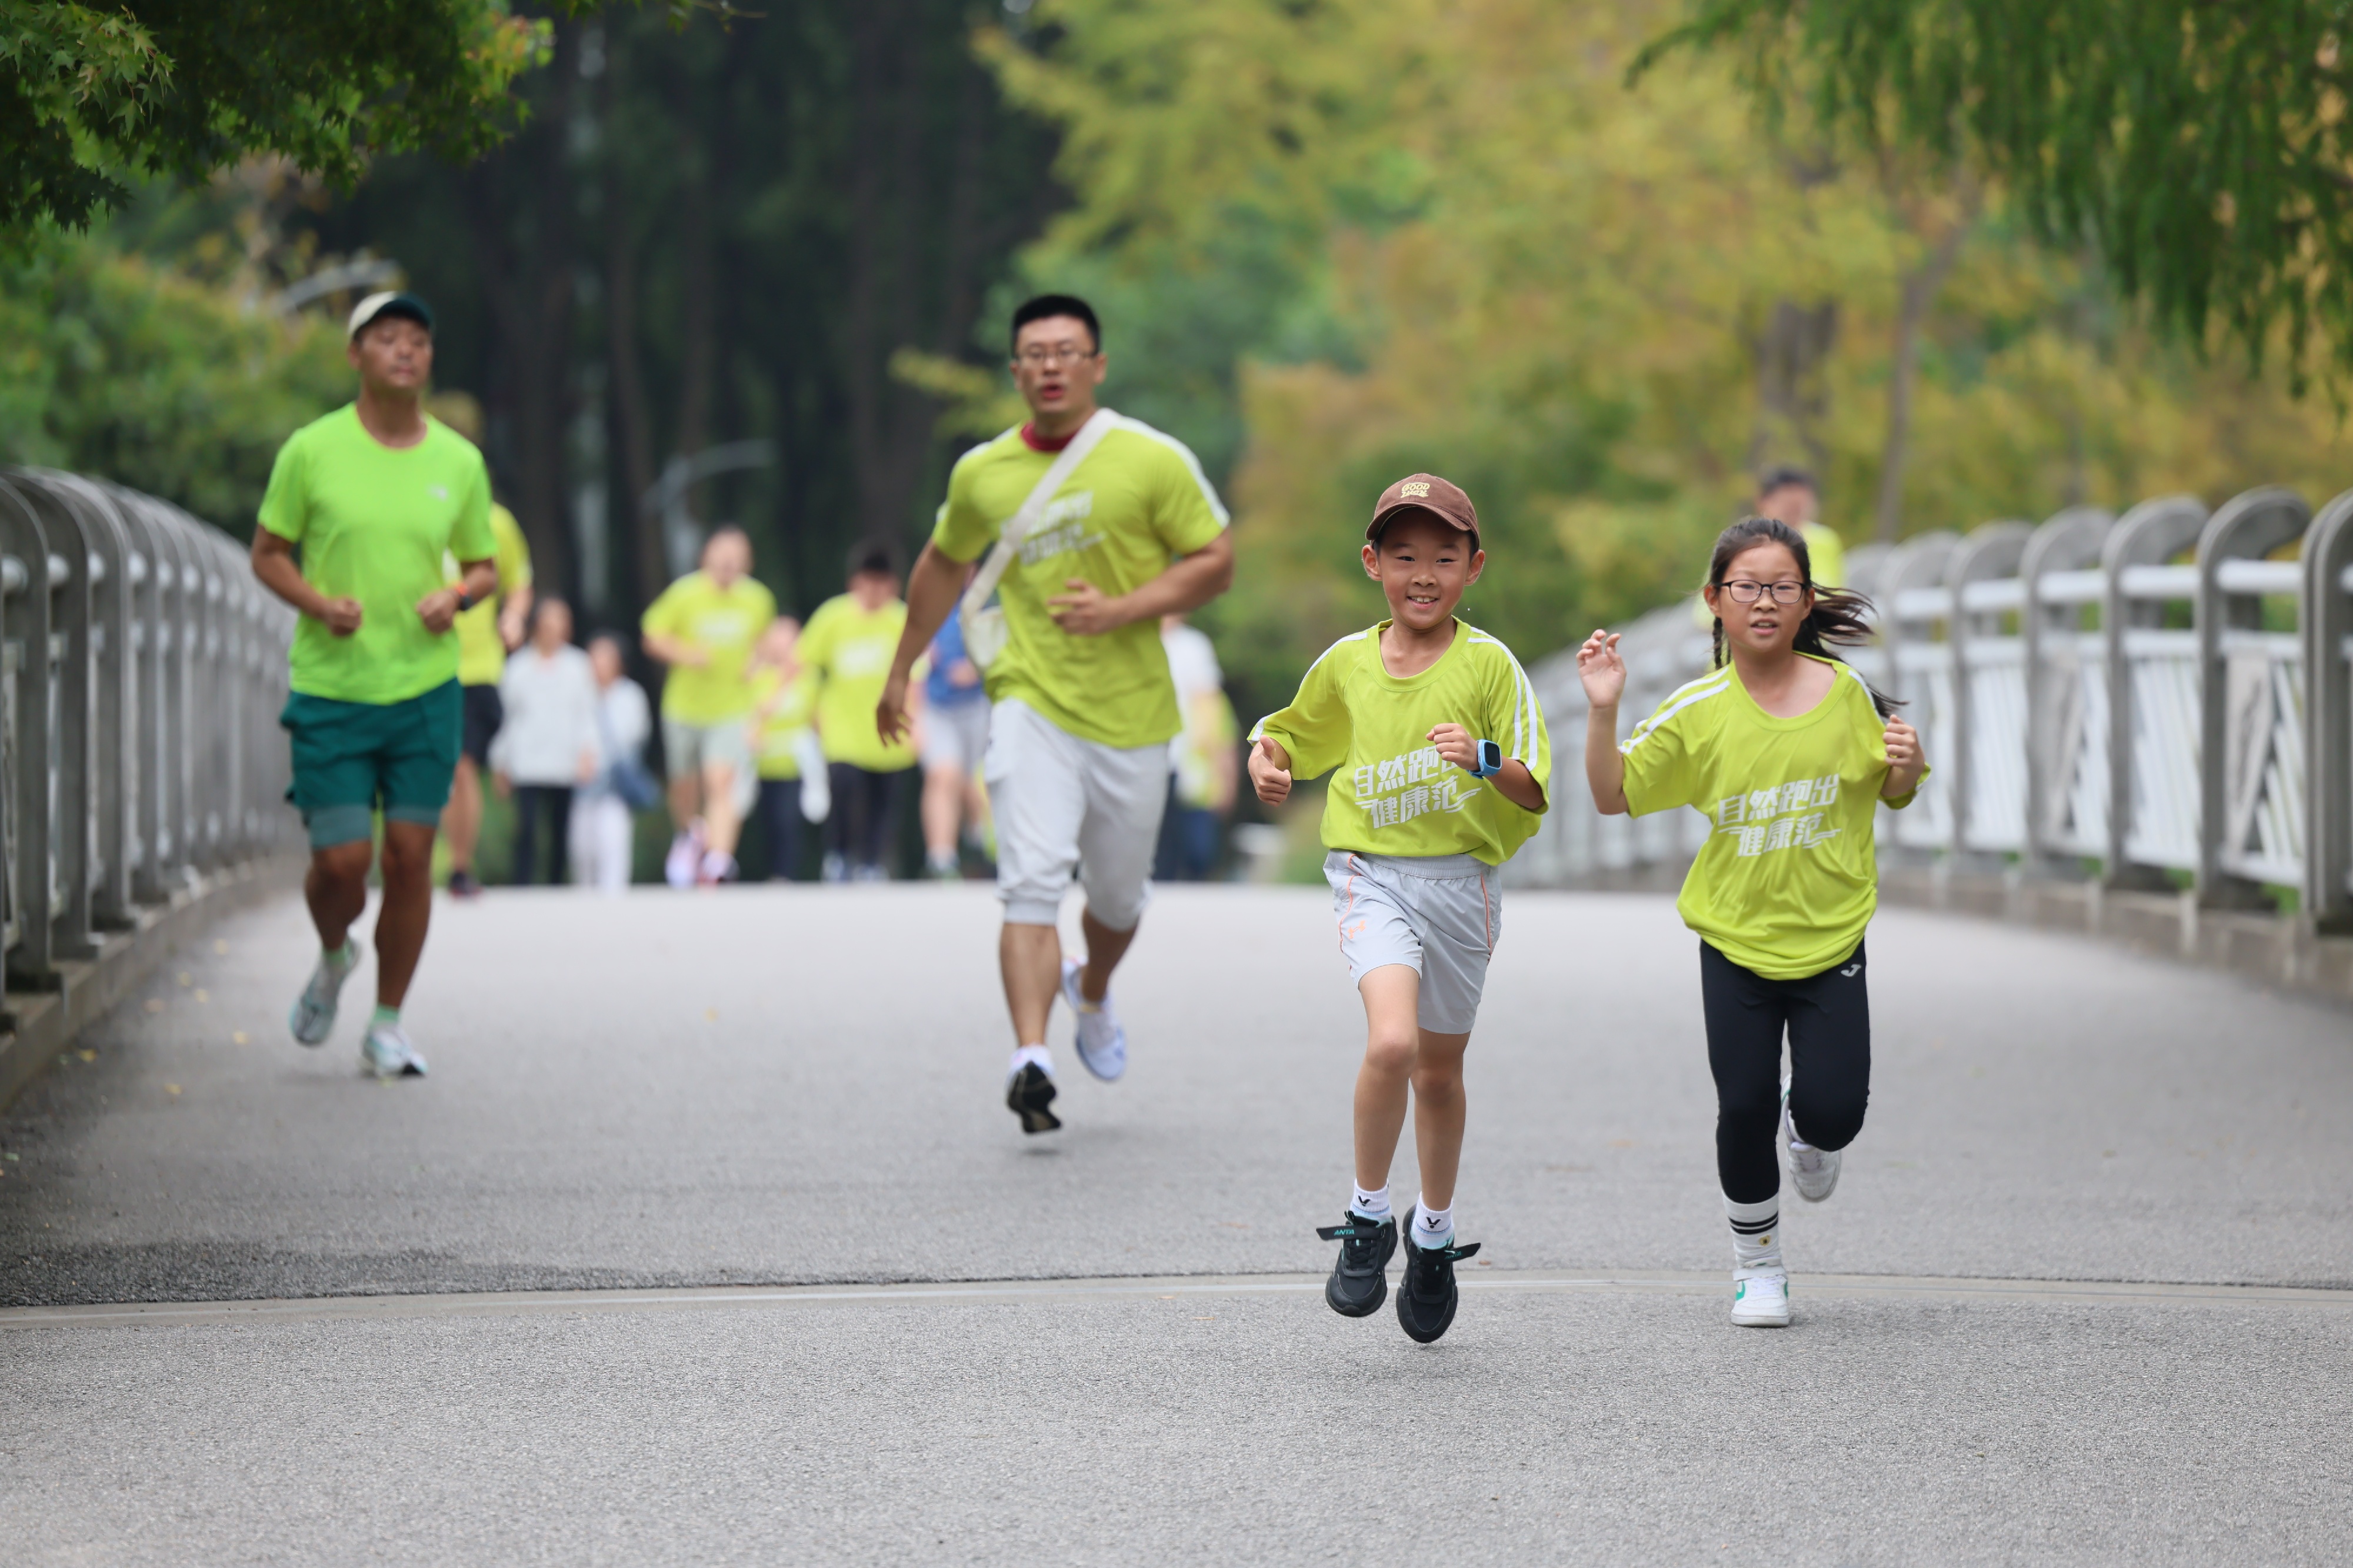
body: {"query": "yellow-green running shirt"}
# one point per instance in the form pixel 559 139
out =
pixel 1392 795
pixel 723 622
pixel 1138 502
pixel 848 649
pixel 1789 876
pixel 481 655
pixel 775 739
pixel 375 523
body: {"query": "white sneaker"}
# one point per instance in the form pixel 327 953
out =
pixel 1813 1172
pixel 387 1053
pixel 1102 1044
pixel 685 857
pixel 1760 1298
pixel 313 1017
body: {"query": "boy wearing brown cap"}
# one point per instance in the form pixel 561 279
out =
pixel 1443 762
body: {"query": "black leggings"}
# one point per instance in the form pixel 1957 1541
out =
pixel 1828 1016
pixel 865 812
pixel 780 815
pixel 556 800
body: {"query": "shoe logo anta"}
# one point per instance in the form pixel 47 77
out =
pixel 1849 970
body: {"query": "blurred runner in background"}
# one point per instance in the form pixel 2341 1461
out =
pixel 783 742
pixel 603 823
pixel 956 736
pixel 1204 761
pixel 704 627
pixel 847 648
pixel 486 635
pixel 548 745
pixel 1789 495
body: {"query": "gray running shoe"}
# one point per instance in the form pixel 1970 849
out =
pixel 313 1017
pixel 1813 1172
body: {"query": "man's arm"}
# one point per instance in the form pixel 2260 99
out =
pixel 932 589
pixel 1189 582
pixel 476 580
pixel 273 563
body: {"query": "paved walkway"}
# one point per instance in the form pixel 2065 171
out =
pixel 632 1262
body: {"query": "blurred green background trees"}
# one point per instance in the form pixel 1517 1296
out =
pixel 1330 243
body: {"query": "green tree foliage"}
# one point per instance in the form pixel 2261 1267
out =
pixel 94 99
pixel 714 234
pixel 116 365
pixel 1600 309
pixel 2201 144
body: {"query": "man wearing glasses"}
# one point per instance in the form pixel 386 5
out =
pixel 1088 527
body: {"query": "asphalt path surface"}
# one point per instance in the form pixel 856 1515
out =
pixel 679 1255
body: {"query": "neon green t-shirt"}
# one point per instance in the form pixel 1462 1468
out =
pixel 1790 877
pixel 481 655
pixel 848 650
pixel 1393 795
pixel 723 622
pixel 775 738
pixel 1136 503
pixel 374 523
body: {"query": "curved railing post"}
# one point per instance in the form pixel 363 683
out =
pixel 2066 693
pixel 1989 741
pixel 2250 702
pixel 1916 613
pixel 2152 693
pixel 2326 622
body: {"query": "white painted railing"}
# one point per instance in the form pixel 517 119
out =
pixel 2164 695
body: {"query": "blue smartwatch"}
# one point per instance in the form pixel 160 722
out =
pixel 1491 759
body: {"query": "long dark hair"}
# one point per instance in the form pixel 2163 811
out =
pixel 1839 618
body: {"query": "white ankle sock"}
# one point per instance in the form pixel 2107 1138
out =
pixel 1043 1057
pixel 1373 1204
pixel 1432 1228
pixel 1756 1233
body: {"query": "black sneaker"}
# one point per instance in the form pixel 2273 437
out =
pixel 1027 1093
pixel 463 886
pixel 1359 1281
pixel 1427 1296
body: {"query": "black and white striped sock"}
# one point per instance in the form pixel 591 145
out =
pixel 1756 1233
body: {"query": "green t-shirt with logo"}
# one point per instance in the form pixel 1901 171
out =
pixel 374 523
pixel 1393 793
pixel 481 652
pixel 1136 503
pixel 848 649
pixel 1790 877
pixel 777 735
pixel 723 622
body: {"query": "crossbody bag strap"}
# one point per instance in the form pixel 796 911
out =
pixel 1016 527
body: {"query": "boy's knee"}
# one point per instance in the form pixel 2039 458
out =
pixel 1441 1076
pixel 1391 1054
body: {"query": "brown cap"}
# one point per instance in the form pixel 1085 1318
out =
pixel 1425 492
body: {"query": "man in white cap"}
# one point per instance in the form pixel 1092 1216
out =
pixel 375 495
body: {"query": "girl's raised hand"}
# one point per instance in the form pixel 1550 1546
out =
pixel 1601 670
pixel 1904 763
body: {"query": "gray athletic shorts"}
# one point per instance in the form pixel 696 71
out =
pixel 1437 914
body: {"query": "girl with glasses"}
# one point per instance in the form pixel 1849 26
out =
pixel 1788 751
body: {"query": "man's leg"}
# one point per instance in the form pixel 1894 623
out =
pixel 1126 795
pixel 721 823
pixel 400 924
pixel 336 889
pixel 524 860
pixel 559 835
pixel 943 793
pixel 461 820
pixel 1031 958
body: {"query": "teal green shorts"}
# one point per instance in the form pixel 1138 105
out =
pixel 354 759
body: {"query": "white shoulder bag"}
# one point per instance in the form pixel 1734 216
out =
pixel 984 623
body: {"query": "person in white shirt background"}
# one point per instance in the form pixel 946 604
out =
pixel 548 746
pixel 1204 760
pixel 603 830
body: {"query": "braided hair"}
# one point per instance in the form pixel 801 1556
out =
pixel 1839 618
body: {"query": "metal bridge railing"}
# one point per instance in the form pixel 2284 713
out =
pixel 142 671
pixel 2167 694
